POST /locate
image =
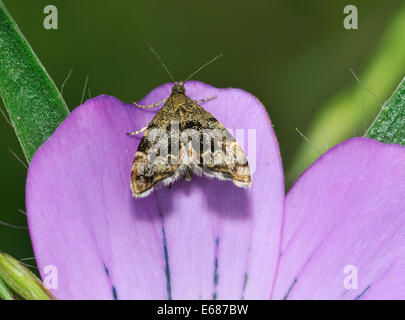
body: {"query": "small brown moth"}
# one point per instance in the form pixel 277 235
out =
pixel 182 139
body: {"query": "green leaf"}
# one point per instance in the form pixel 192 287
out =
pixel 389 125
pixel 32 100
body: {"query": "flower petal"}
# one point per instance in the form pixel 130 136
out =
pixel 345 223
pixel 201 239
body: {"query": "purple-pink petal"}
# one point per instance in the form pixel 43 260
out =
pixel 346 215
pixel 201 239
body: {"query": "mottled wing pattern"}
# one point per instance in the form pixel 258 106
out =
pixel 153 166
pixel 182 139
pixel 226 160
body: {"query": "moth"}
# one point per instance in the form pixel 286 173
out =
pixel 184 139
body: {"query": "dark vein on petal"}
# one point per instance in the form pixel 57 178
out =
pixel 290 288
pixel 114 292
pixel 166 257
pixel 361 294
pixel 245 281
pixel 107 272
pixel 216 275
pixel 216 272
pixel 311 255
pixel 214 295
pixel 113 289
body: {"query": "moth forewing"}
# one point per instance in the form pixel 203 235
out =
pixel 225 159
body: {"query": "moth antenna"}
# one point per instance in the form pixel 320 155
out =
pixel 160 60
pixel 202 67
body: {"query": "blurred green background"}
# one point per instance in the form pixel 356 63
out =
pixel 293 55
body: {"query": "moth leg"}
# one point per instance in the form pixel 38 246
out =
pixel 149 106
pixel 134 133
pixel 205 99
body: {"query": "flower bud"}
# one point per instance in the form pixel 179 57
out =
pixel 18 279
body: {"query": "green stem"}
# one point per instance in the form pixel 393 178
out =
pixel 32 100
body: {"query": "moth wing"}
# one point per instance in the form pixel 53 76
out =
pixel 216 154
pixel 153 165
pixel 221 155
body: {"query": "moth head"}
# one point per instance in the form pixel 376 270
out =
pixel 178 87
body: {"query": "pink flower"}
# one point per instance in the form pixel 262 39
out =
pixel 343 219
